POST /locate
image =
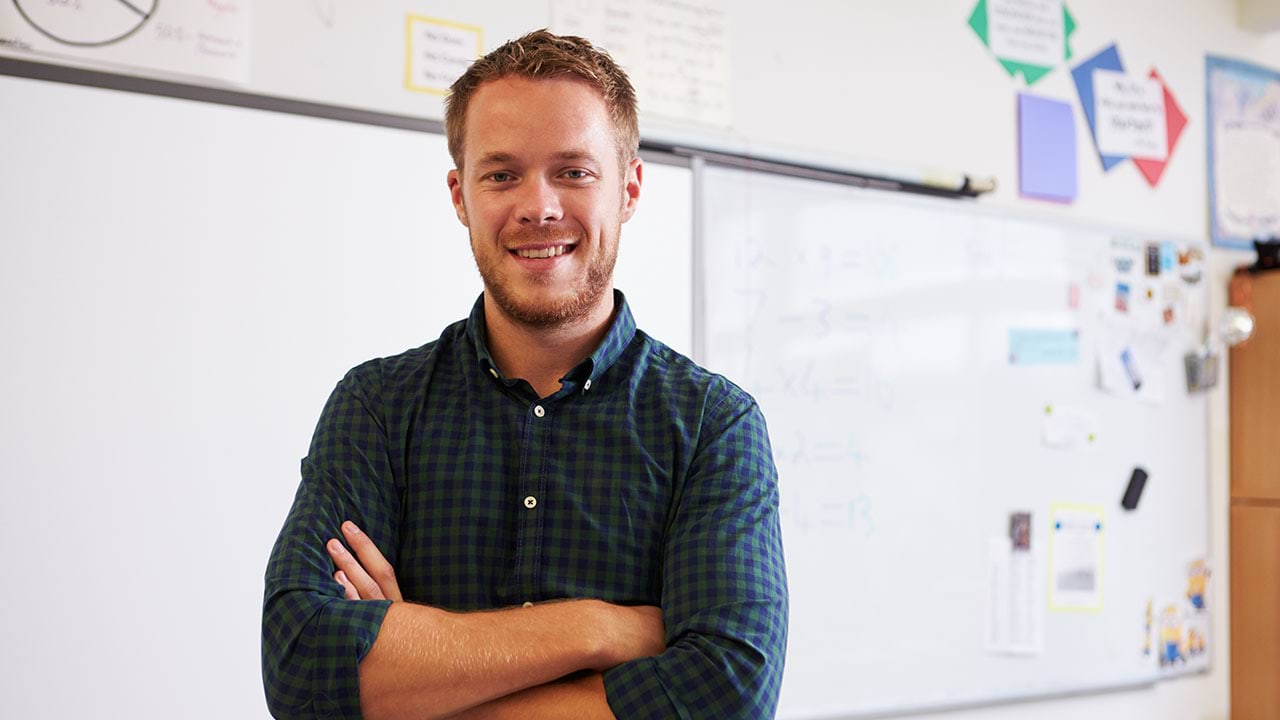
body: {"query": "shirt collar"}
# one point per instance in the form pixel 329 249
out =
pixel 621 332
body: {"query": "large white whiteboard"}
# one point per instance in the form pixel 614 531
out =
pixel 182 286
pixel 874 331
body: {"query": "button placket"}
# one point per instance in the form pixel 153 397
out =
pixel 537 444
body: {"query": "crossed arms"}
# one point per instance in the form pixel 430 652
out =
pixel 715 651
pixel 429 658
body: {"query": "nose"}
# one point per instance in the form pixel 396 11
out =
pixel 539 203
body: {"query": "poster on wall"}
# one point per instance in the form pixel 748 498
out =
pixel 437 52
pixel 1131 117
pixel 1028 37
pixel 1244 151
pixel 676 53
pixel 208 39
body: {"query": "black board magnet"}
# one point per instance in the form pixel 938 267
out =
pixel 1137 481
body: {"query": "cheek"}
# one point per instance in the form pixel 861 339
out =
pixel 487 218
pixel 597 212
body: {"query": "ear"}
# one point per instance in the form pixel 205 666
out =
pixel 631 181
pixel 455 194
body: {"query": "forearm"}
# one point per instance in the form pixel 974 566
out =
pixel 428 662
pixel 581 697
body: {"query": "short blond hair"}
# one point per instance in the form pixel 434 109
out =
pixel 542 54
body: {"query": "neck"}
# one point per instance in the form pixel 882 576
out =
pixel 541 356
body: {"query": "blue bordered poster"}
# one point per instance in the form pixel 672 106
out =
pixel 1244 151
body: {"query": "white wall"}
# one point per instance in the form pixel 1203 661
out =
pixel 908 82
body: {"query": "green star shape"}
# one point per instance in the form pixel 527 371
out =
pixel 1032 73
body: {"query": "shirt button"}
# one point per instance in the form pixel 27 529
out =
pixel 493 372
pixel 537 410
pixel 586 385
pixel 531 502
pixel 527 604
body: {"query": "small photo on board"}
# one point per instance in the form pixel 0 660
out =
pixel 1020 530
pixel 1122 297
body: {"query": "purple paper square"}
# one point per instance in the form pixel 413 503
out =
pixel 1046 148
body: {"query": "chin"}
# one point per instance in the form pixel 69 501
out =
pixel 547 311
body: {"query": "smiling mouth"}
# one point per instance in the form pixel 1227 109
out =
pixel 543 252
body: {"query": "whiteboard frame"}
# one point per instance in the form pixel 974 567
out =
pixel 699 167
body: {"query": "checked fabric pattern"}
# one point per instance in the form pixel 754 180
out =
pixel 644 480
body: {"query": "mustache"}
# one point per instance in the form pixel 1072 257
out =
pixel 540 235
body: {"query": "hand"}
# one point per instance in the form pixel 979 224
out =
pixel 370 577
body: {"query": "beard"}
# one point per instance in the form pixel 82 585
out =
pixel 551 311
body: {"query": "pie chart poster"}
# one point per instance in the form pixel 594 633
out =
pixel 206 40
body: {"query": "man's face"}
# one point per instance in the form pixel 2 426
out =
pixel 544 197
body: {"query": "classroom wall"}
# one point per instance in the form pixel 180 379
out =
pixel 908 82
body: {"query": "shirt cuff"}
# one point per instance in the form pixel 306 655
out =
pixel 635 690
pixel 345 631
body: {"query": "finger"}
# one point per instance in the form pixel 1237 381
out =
pixel 347 563
pixel 372 560
pixel 347 587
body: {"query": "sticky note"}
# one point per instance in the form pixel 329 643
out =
pixel 1046 149
pixel 1043 346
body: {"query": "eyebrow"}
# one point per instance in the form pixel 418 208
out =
pixel 495 158
pixel 576 155
pixel 503 158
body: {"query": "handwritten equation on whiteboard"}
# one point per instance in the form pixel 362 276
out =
pixel 803 347
pixel 841 330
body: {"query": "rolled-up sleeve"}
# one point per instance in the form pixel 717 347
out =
pixel 312 637
pixel 724 592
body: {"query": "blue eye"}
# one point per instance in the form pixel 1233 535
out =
pixel 576 174
pixel 500 177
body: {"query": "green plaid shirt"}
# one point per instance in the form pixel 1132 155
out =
pixel 645 480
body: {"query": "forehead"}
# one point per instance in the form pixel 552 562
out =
pixel 517 116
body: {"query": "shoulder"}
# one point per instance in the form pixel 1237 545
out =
pixel 386 378
pixel 677 379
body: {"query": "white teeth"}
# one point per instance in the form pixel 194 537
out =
pixel 547 252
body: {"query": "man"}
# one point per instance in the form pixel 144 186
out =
pixel 612 506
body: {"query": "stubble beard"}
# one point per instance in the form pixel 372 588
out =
pixel 556 312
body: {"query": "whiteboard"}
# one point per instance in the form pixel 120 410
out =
pixel 183 285
pixel 875 332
